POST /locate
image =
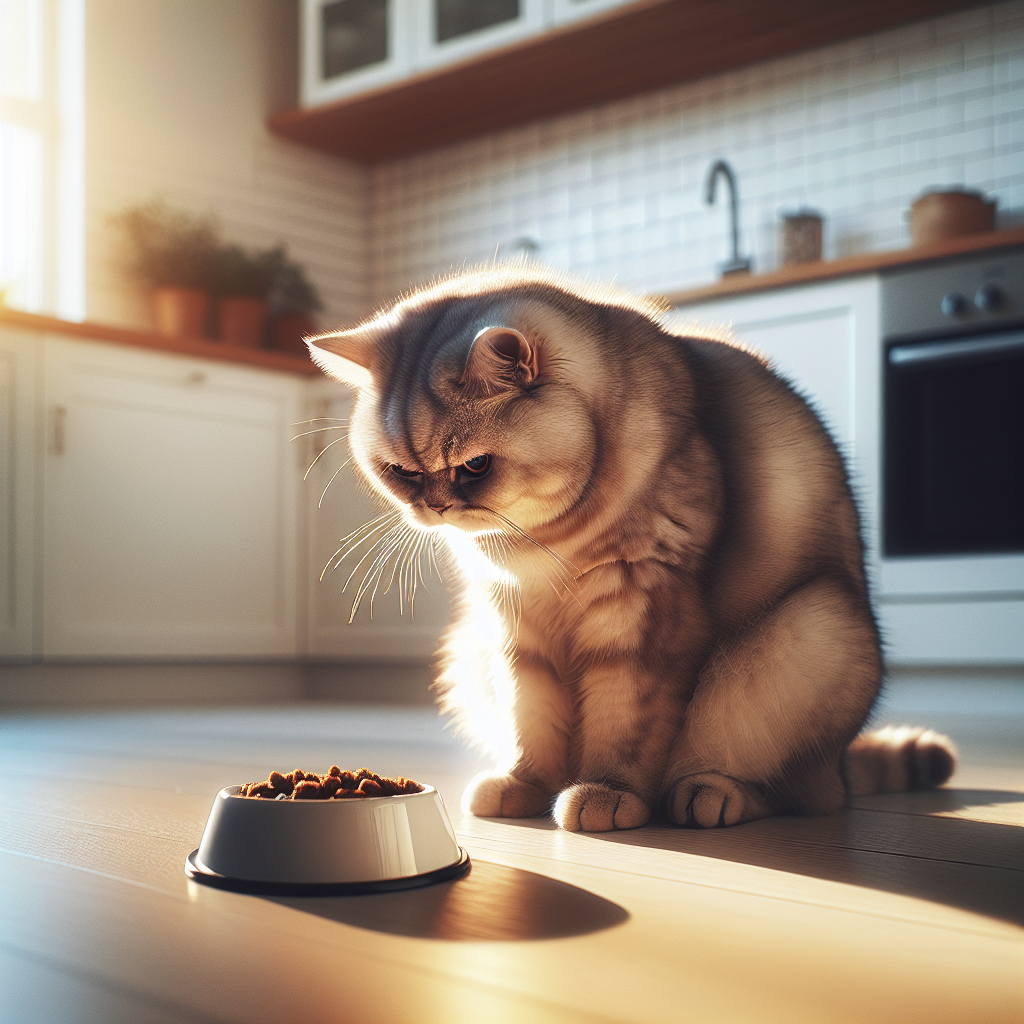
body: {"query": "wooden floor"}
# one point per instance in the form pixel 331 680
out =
pixel 906 908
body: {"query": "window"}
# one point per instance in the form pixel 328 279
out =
pixel 42 235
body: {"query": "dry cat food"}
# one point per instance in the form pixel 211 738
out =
pixel 335 785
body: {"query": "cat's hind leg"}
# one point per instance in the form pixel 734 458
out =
pixel 774 711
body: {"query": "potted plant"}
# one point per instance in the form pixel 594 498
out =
pixel 243 281
pixel 293 301
pixel 174 253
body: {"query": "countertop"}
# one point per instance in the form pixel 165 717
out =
pixel 741 284
pixel 204 348
pixel 906 907
pixel 848 266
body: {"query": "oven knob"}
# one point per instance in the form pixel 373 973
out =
pixel 989 297
pixel 953 304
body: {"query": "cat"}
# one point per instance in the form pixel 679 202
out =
pixel 663 600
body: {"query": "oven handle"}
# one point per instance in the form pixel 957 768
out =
pixel 900 355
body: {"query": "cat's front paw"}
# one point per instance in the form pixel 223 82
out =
pixel 711 799
pixel 591 807
pixel 497 795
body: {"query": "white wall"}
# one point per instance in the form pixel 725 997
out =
pixel 855 129
pixel 177 94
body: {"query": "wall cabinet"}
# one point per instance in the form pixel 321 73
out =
pixel 353 46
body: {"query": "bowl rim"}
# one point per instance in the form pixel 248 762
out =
pixel 235 792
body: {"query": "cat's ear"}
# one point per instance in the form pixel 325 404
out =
pixel 500 358
pixel 346 356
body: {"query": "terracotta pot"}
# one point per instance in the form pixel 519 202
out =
pixel 941 215
pixel 181 311
pixel 240 320
pixel 288 330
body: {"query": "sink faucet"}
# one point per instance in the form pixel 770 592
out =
pixel 736 264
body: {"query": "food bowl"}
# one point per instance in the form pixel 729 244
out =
pixel 326 847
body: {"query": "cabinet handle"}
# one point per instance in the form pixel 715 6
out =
pixel 60 416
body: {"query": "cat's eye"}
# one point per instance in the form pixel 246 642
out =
pixel 402 472
pixel 478 465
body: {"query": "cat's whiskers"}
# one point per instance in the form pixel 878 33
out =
pixel 333 478
pixel 322 450
pixel 360 535
pixel 373 575
pixel 318 430
pixel 384 539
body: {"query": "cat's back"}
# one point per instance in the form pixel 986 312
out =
pixel 789 513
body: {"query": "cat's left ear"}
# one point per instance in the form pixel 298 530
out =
pixel 346 356
pixel 500 358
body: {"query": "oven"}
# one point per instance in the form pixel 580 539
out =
pixel 951 508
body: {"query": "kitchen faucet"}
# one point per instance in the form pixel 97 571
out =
pixel 737 264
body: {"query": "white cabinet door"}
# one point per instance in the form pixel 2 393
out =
pixel 17 491
pixel 338 502
pixel 169 509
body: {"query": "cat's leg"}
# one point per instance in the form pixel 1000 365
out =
pixel 626 722
pixel 542 715
pixel 774 711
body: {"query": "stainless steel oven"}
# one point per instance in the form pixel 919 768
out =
pixel 952 501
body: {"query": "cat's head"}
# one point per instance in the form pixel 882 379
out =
pixel 479 400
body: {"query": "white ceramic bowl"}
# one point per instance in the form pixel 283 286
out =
pixel 373 843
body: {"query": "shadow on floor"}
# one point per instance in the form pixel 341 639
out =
pixel 900 844
pixel 491 902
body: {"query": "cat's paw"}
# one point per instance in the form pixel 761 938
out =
pixel 497 795
pixel 591 807
pixel 711 800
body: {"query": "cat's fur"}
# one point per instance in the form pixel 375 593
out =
pixel 664 598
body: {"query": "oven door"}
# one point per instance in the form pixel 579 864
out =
pixel 953 476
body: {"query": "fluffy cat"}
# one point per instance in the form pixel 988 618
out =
pixel 663 597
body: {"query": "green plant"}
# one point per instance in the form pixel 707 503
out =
pixel 293 292
pixel 239 272
pixel 168 247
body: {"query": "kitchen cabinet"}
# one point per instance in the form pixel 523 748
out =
pixel 17 492
pixel 169 506
pixel 336 503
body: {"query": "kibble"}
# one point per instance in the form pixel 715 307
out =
pixel 337 784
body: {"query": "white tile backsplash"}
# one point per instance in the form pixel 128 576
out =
pixel 855 129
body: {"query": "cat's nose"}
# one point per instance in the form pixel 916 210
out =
pixel 440 509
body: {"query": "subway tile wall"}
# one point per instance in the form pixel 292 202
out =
pixel 855 130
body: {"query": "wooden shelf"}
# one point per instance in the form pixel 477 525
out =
pixel 650 44
pixel 865 263
pixel 202 347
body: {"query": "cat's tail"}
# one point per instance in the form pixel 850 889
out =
pixel 897 759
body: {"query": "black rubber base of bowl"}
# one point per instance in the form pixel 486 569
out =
pixel 255 888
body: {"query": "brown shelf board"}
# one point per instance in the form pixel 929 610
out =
pixel 645 46
pixel 848 266
pixel 203 348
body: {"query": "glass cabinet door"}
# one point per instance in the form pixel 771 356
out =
pixel 349 46
pixel 451 30
pixel 562 11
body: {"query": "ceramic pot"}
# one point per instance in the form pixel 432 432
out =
pixel 800 237
pixel 181 311
pixel 240 320
pixel 941 215
pixel 288 330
